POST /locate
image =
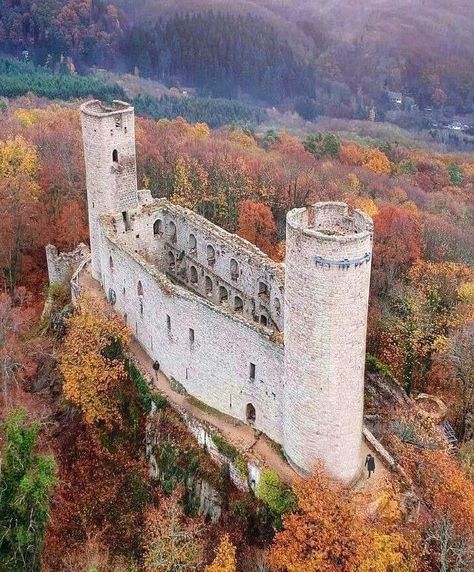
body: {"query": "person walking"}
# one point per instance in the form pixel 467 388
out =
pixel 156 368
pixel 370 464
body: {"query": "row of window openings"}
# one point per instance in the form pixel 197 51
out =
pixel 192 243
pixel 223 297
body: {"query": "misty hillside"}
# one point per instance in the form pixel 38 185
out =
pixel 330 57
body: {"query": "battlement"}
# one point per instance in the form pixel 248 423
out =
pixel 97 108
pixel 331 221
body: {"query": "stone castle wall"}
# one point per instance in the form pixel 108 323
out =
pixel 221 267
pixel 212 362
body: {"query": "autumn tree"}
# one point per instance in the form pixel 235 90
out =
pixel 16 316
pixel 376 161
pixel 19 196
pixel 460 356
pixel 257 225
pixel 325 532
pixel 26 481
pixel 224 560
pixel 92 365
pixel 172 540
pixel 72 226
pixel 397 247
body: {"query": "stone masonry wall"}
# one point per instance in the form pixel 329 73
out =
pixel 213 362
pixel 219 266
pixel 326 300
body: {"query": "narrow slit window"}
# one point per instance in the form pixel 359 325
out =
pixel 157 227
pixel 234 269
pixel 191 336
pixel 252 372
pixel 168 323
pixel 126 220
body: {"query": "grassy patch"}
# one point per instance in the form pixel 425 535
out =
pixel 146 395
pixel 204 407
pixel 225 447
pixel 374 365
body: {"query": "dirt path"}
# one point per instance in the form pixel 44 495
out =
pixel 242 436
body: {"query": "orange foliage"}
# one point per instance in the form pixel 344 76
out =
pixel 325 533
pixel 377 162
pixel 397 245
pixel 257 225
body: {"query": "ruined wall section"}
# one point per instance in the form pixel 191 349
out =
pixel 328 254
pixel 109 152
pixel 223 268
pixel 208 349
pixel 61 266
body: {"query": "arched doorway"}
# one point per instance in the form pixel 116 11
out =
pixel 250 414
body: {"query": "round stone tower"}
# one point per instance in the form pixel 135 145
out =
pixel 108 133
pixel 328 261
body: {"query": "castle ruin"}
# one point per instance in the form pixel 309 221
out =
pixel 277 346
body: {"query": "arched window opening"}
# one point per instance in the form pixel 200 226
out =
pixel 250 414
pixel 140 288
pixel 209 285
pixel 263 290
pixel 193 275
pixel 277 304
pixel 211 255
pixel 192 244
pixel 234 269
pixel 172 231
pixel 171 261
pixel 263 320
pixel 223 294
pixel 238 304
pixel 111 263
pixel 157 227
pixel 115 156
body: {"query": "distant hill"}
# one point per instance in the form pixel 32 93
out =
pixel 336 57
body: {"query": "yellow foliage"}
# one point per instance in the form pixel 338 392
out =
pixel 200 130
pixel 466 292
pixel 377 162
pixel 366 204
pixel 225 558
pixel 354 183
pixel 17 157
pixel 18 172
pixel 191 183
pixel 92 373
pixel 241 138
pixel 387 554
pixel 27 117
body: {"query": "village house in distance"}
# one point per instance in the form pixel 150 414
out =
pixel 278 346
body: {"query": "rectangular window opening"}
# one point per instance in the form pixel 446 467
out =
pixel 168 323
pixel 191 336
pixel 126 220
pixel 252 371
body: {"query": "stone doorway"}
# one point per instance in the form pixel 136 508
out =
pixel 250 414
